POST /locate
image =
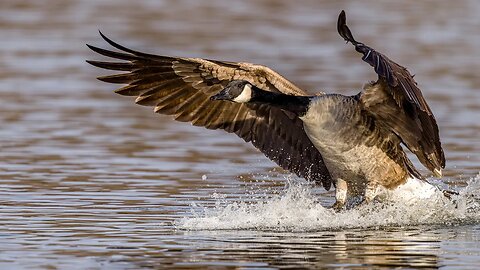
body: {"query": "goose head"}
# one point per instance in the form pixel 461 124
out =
pixel 238 91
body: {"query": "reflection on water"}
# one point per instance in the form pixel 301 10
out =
pixel 91 181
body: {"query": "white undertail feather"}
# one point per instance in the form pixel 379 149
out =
pixel 245 96
pixel 411 191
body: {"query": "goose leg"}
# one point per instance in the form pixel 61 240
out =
pixel 340 195
pixel 370 193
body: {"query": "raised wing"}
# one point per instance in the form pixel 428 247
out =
pixel 396 100
pixel 182 87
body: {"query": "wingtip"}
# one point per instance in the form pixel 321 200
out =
pixel 103 36
pixel 108 40
pixel 343 29
pixel 342 15
pixel 95 49
pixel 116 45
pixel 341 21
pixel 90 46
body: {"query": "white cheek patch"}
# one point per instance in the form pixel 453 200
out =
pixel 245 96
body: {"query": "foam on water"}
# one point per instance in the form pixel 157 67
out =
pixel 414 203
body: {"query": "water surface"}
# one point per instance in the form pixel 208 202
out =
pixel 91 181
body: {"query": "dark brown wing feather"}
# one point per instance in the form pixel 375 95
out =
pixel 182 87
pixel 396 100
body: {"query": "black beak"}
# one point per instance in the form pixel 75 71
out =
pixel 222 95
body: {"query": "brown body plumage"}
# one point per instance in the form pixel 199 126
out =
pixel 387 113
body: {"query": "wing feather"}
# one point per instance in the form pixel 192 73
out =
pixel 181 87
pixel 396 100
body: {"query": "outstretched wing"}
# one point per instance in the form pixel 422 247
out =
pixel 396 100
pixel 182 87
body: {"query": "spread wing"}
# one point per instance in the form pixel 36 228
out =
pixel 396 100
pixel 181 87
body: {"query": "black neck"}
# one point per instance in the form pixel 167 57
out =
pixel 295 104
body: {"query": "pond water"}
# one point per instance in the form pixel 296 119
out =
pixel 88 180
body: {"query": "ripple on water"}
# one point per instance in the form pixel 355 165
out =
pixel 88 180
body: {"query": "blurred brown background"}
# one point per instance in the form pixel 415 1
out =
pixel 87 178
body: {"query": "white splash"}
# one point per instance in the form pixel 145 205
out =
pixel 298 210
pixel 412 191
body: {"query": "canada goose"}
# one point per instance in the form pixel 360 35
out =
pixel 353 142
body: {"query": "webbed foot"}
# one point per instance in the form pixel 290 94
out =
pixel 449 193
pixel 338 206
